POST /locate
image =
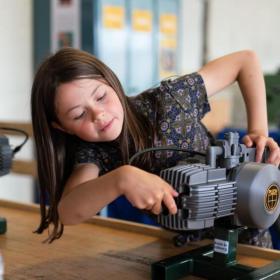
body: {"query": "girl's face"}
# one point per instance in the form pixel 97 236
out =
pixel 89 109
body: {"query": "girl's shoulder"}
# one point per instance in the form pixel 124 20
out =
pixel 106 155
pixel 180 83
pixel 187 92
pixel 170 84
pixel 145 101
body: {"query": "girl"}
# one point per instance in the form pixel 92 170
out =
pixel 86 129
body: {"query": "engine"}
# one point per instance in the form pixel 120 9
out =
pixel 6 155
pixel 229 183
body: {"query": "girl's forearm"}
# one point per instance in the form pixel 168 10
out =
pixel 87 199
pixel 251 83
pixel 142 189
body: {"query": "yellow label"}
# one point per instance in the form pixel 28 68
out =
pixel 271 197
pixel 142 20
pixel 113 17
pixel 170 43
pixel 168 24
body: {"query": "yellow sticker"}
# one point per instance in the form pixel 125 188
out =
pixel 113 17
pixel 271 198
pixel 168 24
pixel 142 20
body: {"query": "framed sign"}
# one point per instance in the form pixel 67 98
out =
pixel 65 24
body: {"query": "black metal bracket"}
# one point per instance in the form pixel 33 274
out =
pixel 217 261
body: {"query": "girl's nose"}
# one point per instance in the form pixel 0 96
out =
pixel 98 116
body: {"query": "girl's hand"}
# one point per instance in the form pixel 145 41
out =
pixel 146 191
pixel 261 141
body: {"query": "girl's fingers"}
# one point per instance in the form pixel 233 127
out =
pixel 156 208
pixel 174 193
pixel 274 152
pixel 260 146
pixel 261 142
pixel 247 141
pixel 169 202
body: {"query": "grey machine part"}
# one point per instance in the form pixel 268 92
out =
pixel 6 155
pixel 229 184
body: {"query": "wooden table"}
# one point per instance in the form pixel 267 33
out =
pixel 101 249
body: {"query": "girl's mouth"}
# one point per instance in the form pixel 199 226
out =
pixel 107 126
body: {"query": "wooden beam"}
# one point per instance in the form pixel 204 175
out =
pixel 24 167
pixel 27 127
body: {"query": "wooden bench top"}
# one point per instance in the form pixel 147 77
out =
pixel 100 249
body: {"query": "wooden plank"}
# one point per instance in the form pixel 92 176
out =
pixel 247 250
pixel 24 167
pixel 30 207
pixel 131 226
pixel 100 221
pixel 27 127
pixel 92 250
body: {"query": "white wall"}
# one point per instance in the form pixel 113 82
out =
pixel 191 35
pixel 15 80
pixel 232 25
pixel 240 24
pixel 251 24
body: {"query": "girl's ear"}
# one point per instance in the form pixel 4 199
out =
pixel 58 126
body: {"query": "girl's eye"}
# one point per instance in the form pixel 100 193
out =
pixel 80 116
pixel 100 98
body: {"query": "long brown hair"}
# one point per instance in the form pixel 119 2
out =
pixel 54 149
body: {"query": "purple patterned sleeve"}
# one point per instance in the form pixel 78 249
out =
pixel 105 155
pixel 190 93
pixel 87 153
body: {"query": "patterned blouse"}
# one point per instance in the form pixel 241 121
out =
pixel 175 109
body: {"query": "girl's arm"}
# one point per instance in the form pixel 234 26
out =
pixel 244 67
pixel 86 194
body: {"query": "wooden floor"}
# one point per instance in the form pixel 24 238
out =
pixel 102 249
